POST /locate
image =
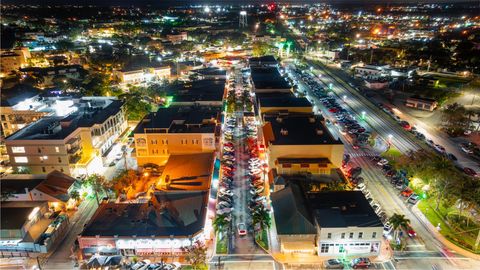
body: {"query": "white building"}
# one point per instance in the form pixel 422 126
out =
pixel 138 76
pixel 73 144
pixel 326 223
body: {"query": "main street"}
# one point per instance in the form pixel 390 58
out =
pixel 387 196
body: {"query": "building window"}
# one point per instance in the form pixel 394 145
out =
pixel 286 165
pixel 374 235
pixel 18 149
pixel 351 235
pixel 329 235
pixel 57 149
pixel 360 235
pixel 59 160
pixel 43 169
pixel 39 150
pixel 305 165
pixel 324 248
pixel 343 235
pixel 21 160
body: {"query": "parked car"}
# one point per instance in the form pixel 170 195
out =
pixel 333 264
pixel 469 171
pixel 241 228
pixel 360 263
pixel 411 232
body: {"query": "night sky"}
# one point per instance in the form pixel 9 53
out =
pixel 213 2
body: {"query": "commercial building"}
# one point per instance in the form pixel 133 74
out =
pixel 420 103
pixel 20 106
pixel 160 227
pixel 74 144
pixel 13 60
pixel 276 102
pixel 176 130
pixel 263 61
pixel 268 80
pixel 212 73
pixel 55 188
pixel 376 84
pixel 204 92
pixel 187 172
pixel 332 223
pixel 299 142
pixel 30 227
pixel 177 37
pixel 142 75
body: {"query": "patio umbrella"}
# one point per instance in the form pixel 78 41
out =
pixel 113 260
pixel 94 262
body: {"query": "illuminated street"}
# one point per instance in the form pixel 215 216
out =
pixel 177 135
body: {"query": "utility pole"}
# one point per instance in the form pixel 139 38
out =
pixel 371 55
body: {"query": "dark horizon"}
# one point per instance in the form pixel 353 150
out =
pixel 221 2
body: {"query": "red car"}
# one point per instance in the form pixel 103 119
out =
pixel 332 110
pixel 411 232
pixel 469 171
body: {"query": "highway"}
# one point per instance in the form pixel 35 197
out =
pixel 385 194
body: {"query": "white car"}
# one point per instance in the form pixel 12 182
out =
pixel 466 150
pixel 382 162
pixel 141 264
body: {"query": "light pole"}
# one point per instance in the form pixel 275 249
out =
pixel 363 115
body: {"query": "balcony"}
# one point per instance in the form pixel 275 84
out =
pixel 74 159
pixel 74 149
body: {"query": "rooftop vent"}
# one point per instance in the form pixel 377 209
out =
pixel 319 132
pixel 284 132
pixel 311 119
pixel 279 119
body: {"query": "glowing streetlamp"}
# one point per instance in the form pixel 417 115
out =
pixel 390 137
pixel 363 115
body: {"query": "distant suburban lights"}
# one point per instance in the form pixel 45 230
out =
pixel 243 13
pixel 330 86
pixel 207 9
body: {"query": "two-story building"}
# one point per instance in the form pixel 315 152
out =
pixel 176 130
pixel 300 143
pixel 331 223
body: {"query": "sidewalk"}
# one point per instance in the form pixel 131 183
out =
pixel 442 238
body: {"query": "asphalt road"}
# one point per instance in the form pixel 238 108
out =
pixel 61 257
pixel 388 197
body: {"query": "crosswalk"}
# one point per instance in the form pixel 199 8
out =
pixel 362 154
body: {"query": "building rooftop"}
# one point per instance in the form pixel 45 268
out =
pixel 211 71
pixel 177 213
pixel 265 78
pixel 55 184
pixel 338 209
pixel 282 100
pixel 201 90
pixel 188 172
pixel 297 129
pixel 181 119
pixel 291 214
pixel 20 92
pixel 89 112
pixel 263 60
pixel 15 214
pixel 296 210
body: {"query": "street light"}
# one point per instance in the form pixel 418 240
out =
pixel 363 115
pixel 390 137
pixel 344 98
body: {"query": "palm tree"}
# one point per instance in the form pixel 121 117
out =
pixel 398 221
pixel 262 218
pixel 444 174
pixel 219 223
